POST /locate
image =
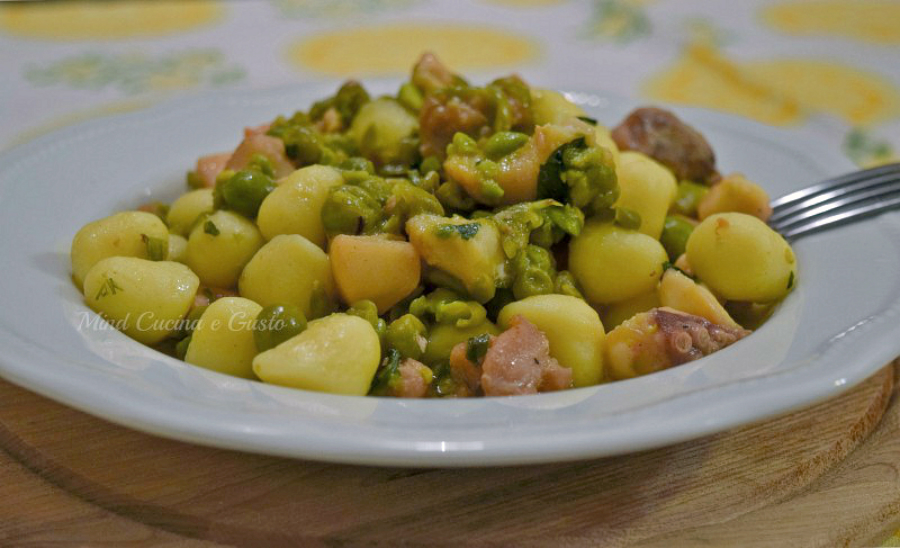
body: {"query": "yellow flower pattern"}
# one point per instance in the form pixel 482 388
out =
pixel 338 8
pixel 100 20
pixel 869 20
pixel 776 91
pixel 390 49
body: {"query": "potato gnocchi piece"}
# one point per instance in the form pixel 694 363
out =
pixel 616 313
pixel 144 299
pixel 552 107
pixel 573 329
pixel 185 210
pixel 177 248
pixel 381 129
pixel 220 246
pixel 124 234
pixel 735 193
pixel 740 258
pixel 295 206
pixel 223 338
pixel 614 264
pixel 443 337
pixel 468 250
pixel 338 354
pixel 681 293
pixel 646 187
pixel 288 270
pixel 603 137
pixel 373 268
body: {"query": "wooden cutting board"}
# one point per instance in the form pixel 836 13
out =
pixel 824 476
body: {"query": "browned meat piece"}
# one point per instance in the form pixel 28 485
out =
pixel 429 74
pixel 442 116
pixel 661 338
pixel 466 374
pixel 260 143
pixel 661 135
pixel 518 362
pixel 414 381
pixel 257 130
pixel 209 167
pixel 690 337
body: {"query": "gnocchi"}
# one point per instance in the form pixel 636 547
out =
pixel 147 299
pixel 220 246
pixel 449 240
pixel 125 234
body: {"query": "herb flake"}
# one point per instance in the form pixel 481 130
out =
pixel 477 347
pixel 157 248
pixel 465 231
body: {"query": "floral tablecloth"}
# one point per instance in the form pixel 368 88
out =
pixel 832 66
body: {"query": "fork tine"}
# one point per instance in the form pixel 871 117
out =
pixel 834 183
pixel 859 186
pixel 865 194
pixel 814 224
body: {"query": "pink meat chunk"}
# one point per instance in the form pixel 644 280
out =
pixel 209 167
pixel 412 379
pixel 519 362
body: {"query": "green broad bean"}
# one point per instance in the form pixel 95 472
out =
pixel 503 143
pixel 347 101
pixel 534 272
pixel 453 197
pixel 565 284
pixel 410 97
pixel 408 335
pixel 181 347
pixel 627 218
pixel 244 192
pixel 430 163
pixel 446 307
pixel 688 198
pixel 368 311
pixel 350 209
pixel 675 234
pixel 357 163
pixel 190 321
pixel 276 324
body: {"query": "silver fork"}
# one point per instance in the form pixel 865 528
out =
pixel 837 201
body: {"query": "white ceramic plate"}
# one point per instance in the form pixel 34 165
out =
pixel 839 326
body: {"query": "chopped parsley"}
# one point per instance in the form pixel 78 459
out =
pixel 210 228
pixel 157 248
pixel 588 119
pixel 466 231
pixel 477 347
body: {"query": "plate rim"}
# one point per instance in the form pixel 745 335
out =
pixel 86 397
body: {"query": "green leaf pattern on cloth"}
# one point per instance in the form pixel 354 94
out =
pixel 133 73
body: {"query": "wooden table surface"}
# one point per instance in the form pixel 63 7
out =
pixel 824 476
